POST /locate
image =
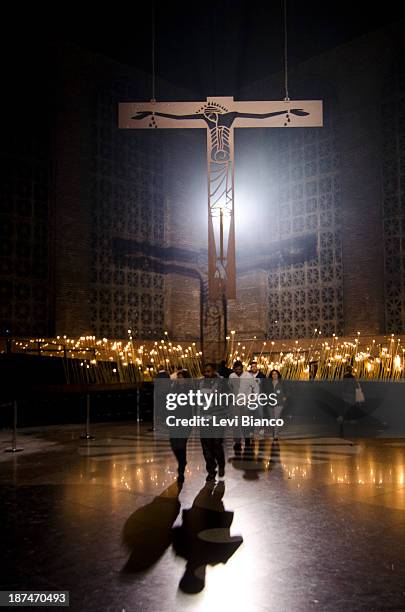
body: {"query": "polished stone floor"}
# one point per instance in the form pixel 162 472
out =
pixel 306 524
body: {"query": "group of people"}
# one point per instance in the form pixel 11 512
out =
pixel 241 381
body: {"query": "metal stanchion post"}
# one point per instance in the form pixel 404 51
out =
pixel 14 448
pixel 137 405
pixel 86 435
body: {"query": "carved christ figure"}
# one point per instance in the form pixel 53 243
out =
pixel 219 123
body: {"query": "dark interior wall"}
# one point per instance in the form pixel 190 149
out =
pixel 73 184
pixel 393 191
pixel 361 256
pixel 26 281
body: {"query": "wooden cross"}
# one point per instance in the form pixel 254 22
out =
pixel 220 116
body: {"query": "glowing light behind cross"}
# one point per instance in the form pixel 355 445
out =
pixel 219 116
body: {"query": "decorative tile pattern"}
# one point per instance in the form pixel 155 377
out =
pixel 308 295
pixel 393 176
pixel 127 195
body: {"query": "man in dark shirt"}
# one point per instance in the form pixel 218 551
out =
pixel 213 448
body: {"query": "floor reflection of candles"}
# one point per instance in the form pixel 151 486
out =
pixel 289 501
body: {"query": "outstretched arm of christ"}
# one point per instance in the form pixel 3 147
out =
pixel 294 111
pixel 143 114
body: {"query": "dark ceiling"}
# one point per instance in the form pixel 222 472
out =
pixel 213 48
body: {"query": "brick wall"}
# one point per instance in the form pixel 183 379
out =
pixel 248 314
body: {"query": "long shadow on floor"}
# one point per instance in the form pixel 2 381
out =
pixel 148 531
pixel 204 536
pixel 202 539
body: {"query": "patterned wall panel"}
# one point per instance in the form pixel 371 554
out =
pixel 127 203
pixel 25 289
pixel 308 295
pixel 393 174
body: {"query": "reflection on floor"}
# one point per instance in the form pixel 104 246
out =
pixel 297 525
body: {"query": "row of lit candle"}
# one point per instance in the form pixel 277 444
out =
pixel 102 360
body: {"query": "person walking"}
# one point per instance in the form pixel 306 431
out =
pixel 213 447
pixel 255 372
pixel 258 377
pixel 242 385
pixel 179 445
pixel 278 389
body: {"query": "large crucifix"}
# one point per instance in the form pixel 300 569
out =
pixel 219 116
